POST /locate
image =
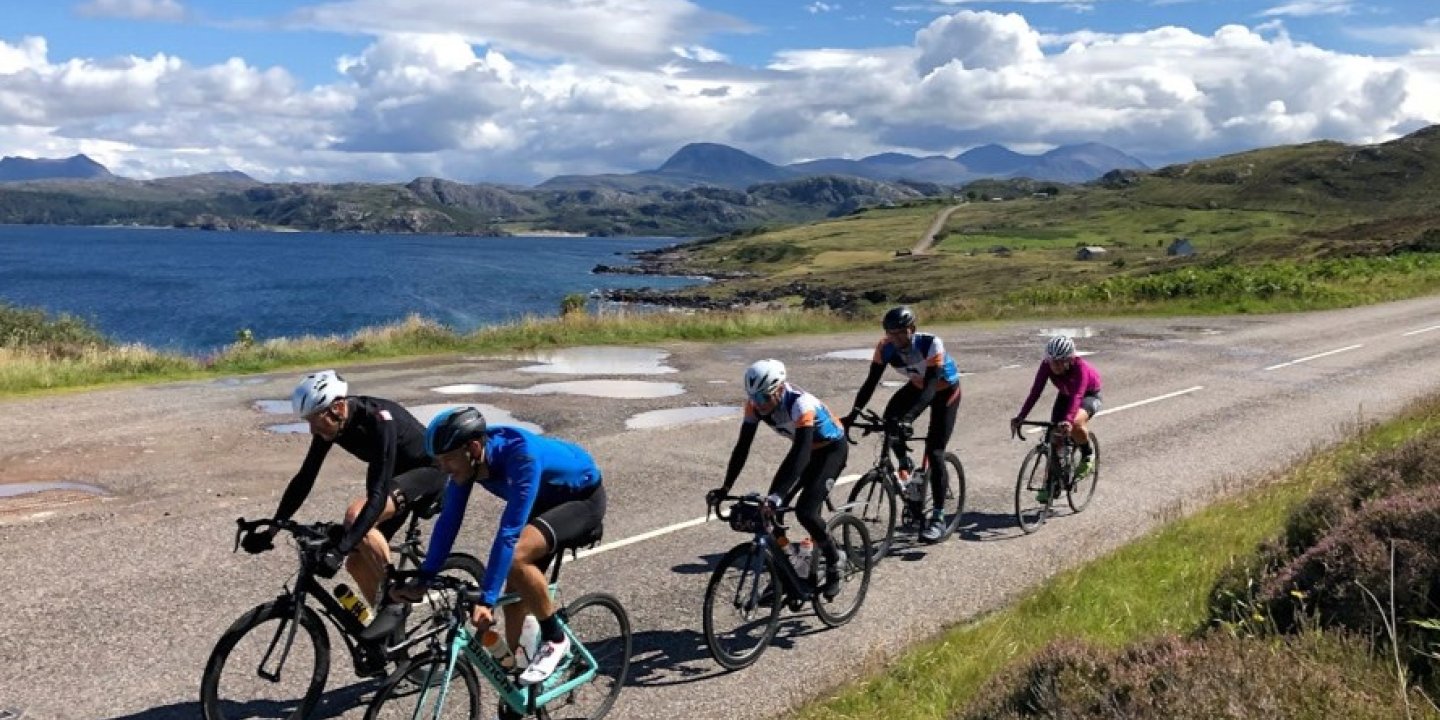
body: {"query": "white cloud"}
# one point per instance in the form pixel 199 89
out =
pixel 612 32
pixel 820 7
pixel 430 103
pixel 167 10
pixel 1310 8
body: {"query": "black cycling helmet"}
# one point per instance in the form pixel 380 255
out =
pixel 899 317
pixel 453 428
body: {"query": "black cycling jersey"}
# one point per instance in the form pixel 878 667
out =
pixel 377 431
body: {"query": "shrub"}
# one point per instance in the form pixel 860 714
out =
pixel 573 303
pixel 1308 676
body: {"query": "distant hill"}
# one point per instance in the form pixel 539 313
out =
pixel 76 167
pixel 993 160
pixel 1077 163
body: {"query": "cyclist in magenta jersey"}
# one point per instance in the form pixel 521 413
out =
pixel 817 453
pixel 934 382
pixel 1078 400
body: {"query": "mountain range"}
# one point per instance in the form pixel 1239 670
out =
pixel 715 165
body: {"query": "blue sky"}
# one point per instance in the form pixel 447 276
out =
pixel 518 90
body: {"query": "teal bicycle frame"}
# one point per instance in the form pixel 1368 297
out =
pixel 522 699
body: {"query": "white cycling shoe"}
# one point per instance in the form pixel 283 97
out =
pixel 545 662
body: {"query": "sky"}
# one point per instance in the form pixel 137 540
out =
pixel 517 91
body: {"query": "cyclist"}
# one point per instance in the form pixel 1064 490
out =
pixel 934 383
pixel 401 476
pixel 1079 399
pixel 553 500
pixel 817 453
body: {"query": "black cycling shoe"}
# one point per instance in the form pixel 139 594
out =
pixel 389 624
pixel 831 588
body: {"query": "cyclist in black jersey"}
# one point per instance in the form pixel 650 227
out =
pixel 401 475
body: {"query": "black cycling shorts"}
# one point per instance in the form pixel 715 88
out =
pixel 1090 404
pixel 417 488
pixel 572 522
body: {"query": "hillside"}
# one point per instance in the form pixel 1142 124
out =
pixel 18 169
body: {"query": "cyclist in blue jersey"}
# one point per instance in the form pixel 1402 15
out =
pixel 817 453
pixel 554 500
pixel 934 382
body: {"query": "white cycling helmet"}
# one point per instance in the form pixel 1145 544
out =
pixel 1059 348
pixel 762 378
pixel 317 391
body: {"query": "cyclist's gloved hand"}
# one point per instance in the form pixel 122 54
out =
pixel 774 501
pixel 329 562
pixel 713 497
pixel 848 420
pixel 258 541
pixel 1015 426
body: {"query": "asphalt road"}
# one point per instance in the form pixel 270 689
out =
pixel 113 604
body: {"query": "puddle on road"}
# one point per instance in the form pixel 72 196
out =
pixel 272 407
pixel 493 415
pixel 238 382
pixel 11 490
pixel 616 389
pixel 680 416
pixel 424 413
pixel 857 354
pixel 598 361
pixel 1073 332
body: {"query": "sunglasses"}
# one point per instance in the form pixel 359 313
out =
pixel 760 398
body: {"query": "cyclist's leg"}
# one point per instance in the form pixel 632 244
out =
pixel 1080 431
pixel 815 483
pixel 564 525
pixel 902 400
pixel 368 561
pixel 943 410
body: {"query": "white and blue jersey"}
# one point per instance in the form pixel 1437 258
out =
pixel 798 409
pixel 924 352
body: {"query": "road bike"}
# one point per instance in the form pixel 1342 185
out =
pixel 880 497
pixel 755 580
pixel 1047 471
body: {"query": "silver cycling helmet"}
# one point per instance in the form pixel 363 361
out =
pixel 317 391
pixel 762 378
pixel 1059 348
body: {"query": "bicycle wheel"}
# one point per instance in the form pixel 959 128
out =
pixel 1034 477
pixel 851 542
pixel 418 689
pixel 742 607
pixel 872 501
pixel 599 622
pixel 437 603
pixel 1083 489
pixel 261 642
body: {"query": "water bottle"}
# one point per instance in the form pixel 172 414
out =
pixel 529 641
pixel 354 604
pixel 915 489
pixel 494 643
pixel 801 559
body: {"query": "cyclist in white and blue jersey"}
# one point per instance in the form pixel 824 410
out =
pixel 817 453
pixel 934 382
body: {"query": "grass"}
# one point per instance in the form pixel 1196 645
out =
pixel 46 367
pixel 1156 585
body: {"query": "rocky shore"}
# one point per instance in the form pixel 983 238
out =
pixel 844 301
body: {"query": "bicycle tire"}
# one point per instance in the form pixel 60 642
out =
pixel 1080 493
pixel 410 690
pixel 872 501
pixel 851 539
pixel 215 707
pixel 744 556
pixel 1029 515
pixel 612 655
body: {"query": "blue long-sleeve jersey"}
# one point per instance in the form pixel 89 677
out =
pixel 525 470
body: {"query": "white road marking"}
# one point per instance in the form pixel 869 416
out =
pixel 843 480
pixel 1308 358
pixel 1421 330
pixel 1147 401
